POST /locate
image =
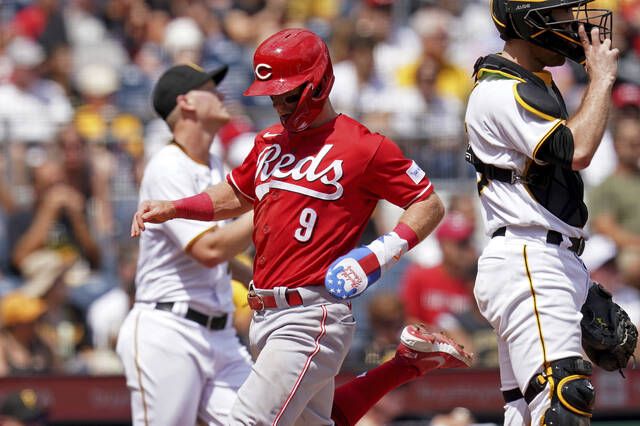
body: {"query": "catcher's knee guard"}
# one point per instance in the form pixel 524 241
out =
pixel 572 394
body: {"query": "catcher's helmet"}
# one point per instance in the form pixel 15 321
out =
pixel 531 20
pixel 289 59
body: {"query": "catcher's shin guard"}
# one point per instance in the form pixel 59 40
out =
pixel 572 394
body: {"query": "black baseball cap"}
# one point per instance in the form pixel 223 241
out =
pixel 178 80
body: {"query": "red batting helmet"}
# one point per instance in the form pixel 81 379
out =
pixel 287 60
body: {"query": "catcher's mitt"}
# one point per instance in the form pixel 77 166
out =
pixel 608 336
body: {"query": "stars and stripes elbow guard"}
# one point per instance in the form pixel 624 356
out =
pixel 349 275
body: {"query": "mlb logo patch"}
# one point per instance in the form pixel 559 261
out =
pixel 415 173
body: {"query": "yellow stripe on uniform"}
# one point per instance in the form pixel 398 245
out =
pixel 482 71
pixel 529 107
pixel 535 306
pixel 546 136
pixel 197 237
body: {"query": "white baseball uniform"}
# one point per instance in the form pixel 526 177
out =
pixel 181 355
pixel 529 286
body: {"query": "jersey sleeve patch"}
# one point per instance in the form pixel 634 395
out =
pixel 537 101
pixel 415 173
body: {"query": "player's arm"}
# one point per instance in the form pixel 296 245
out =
pixel 221 244
pixel 423 217
pixel 349 275
pixel 588 124
pixel 218 202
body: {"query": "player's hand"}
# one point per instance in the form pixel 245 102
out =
pixel 349 275
pixel 153 211
pixel 602 59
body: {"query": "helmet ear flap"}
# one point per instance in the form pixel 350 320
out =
pixel 321 92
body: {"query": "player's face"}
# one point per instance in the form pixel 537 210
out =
pixel 547 58
pixel 208 102
pixel 286 103
pixel 563 14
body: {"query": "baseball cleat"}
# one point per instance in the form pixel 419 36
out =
pixel 428 351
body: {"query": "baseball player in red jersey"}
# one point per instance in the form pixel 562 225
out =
pixel 313 181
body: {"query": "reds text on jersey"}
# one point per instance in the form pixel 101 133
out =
pixel 313 193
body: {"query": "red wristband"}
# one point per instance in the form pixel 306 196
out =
pixel 198 207
pixel 405 232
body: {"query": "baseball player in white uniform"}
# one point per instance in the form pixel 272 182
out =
pixel 181 355
pixel 531 282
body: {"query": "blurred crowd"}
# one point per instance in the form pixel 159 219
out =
pixel 76 128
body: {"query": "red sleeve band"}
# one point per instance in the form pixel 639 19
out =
pixel 405 232
pixel 198 207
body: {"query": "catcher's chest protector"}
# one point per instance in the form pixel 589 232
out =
pixel 560 190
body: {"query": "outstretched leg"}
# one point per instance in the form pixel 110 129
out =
pixel 419 352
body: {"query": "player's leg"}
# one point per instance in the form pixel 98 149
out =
pixel 559 284
pixel 300 351
pixel 516 410
pixel 540 319
pixel 418 353
pixel 163 380
pixel 231 369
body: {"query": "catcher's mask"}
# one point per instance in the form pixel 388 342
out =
pixel 532 21
pixel 287 60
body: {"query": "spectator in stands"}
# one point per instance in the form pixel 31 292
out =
pixel 183 41
pixel 23 349
pixel 359 91
pixel 397 46
pixel 626 100
pixel 59 69
pixel 49 277
pixel 57 220
pixel 432 25
pixel 427 293
pixel 615 203
pixel 431 122
pixel 32 109
pixel 110 146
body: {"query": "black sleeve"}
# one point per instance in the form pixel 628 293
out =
pixel 557 148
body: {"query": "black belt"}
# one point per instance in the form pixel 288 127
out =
pixel 210 322
pixel 553 237
pixel 512 395
pixel 515 394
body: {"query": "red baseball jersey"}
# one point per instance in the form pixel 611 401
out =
pixel 313 193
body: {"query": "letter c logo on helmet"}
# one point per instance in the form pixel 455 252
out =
pixel 263 71
pixel 289 59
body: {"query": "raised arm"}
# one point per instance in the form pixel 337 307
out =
pixel 218 202
pixel 588 124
